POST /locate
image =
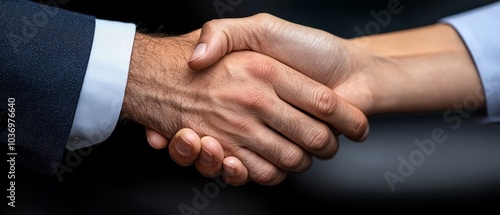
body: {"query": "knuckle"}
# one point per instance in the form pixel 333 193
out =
pixel 219 28
pixel 326 102
pixel 212 24
pixel 252 99
pixel 266 19
pixel 318 138
pixel 241 124
pixel 262 68
pixel 292 159
pixel 269 175
pixel 329 151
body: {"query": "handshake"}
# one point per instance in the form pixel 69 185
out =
pixel 254 98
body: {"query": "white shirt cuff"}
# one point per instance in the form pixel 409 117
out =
pixel 479 30
pixel 101 98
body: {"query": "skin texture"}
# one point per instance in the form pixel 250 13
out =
pixel 416 70
pixel 267 115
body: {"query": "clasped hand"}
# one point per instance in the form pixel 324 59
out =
pixel 261 96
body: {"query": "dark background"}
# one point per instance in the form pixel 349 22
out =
pixel 125 176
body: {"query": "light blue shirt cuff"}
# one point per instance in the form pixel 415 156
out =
pixel 480 30
pixel 99 106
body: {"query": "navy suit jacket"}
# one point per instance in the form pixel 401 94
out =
pixel 44 52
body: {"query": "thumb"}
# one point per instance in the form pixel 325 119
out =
pixel 221 36
pixel 216 40
pixel 185 147
pixel 155 139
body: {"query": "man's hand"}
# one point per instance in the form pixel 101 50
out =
pixel 252 104
pixel 317 54
pixel 187 148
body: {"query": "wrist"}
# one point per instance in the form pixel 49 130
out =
pixel 158 67
pixel 370 73
pixel 383 84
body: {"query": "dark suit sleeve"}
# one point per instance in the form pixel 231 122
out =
pixel 43 59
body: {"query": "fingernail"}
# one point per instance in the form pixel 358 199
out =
pixel 185 148
pixel 229 169
pixel 367 131
pixel 198 51
pixel 151 144
pixel 206 157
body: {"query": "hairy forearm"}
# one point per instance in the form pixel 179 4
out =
pixel 157 60
pixel 423 69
